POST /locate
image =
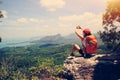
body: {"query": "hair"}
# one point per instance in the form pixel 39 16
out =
pixel 87 34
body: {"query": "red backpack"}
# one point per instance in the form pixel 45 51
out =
pixel 91 44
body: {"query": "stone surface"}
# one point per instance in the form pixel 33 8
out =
pixel 93 68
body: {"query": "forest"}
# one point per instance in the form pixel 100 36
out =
pixel 32 62
pixel 35 62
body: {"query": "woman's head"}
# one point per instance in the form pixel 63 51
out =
pixel 86 32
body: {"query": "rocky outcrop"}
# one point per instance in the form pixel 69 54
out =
pixel 98 67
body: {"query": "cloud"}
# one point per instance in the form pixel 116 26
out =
pixel 22 20
pixel 87 19
pixel 83 17
pixel 29 20
pixel 33 20
pixel 63 25
pixel 4 12
pixel 52 5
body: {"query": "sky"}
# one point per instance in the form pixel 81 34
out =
pixel 32 18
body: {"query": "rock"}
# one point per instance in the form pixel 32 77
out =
pixel 93 68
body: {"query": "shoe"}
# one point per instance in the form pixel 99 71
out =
pixel 70 57
pixel 87 56
pixel 71 54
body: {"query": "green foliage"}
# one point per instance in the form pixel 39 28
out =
pixel 0 39
pixel 110 38
pixel 111 33
pixel 1 15
pixel 8 70
pixel 112 12
pixel 32 62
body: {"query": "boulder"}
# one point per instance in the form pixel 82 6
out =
pixel 98 67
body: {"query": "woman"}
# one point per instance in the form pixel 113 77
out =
pixel 89 43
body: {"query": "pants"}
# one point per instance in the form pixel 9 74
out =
pixel 84 54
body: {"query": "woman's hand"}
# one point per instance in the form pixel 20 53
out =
pixel 78 27
pixel 77 33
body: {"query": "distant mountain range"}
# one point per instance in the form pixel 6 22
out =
pixel 51 40
pixel 57 39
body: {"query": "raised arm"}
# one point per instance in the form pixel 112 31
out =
pixel 77 33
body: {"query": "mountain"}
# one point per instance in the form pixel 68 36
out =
pixel 52 39
pixel 58 39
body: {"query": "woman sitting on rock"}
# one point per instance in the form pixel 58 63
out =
pixel 89 43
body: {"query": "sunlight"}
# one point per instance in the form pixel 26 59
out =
pixel 109 0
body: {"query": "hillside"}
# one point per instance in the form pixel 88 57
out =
pixel 33 61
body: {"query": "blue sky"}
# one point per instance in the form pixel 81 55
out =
pixel 31 18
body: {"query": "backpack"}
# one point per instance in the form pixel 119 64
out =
pixel 91 44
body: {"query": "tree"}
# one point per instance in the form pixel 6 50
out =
pixel 0 39
pixel 111 23
pixel 1 16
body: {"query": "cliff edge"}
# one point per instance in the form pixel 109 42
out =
pixel 98 67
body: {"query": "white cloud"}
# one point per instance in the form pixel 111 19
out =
pixel 82 17
pixel 69 18
pixel 90 20
pixel 33 31
pixel 52 5
pixel 29 20
pixel 4 13
pixel 22 20
pixel 34 20
pixel 63 25
pixel 79 6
